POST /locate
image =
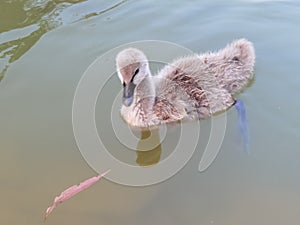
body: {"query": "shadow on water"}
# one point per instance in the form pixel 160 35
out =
pixel 148 149
pixel 24 22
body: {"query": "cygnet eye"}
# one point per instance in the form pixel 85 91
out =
pixel 136 71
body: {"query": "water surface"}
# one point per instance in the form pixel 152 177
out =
pixel 45 48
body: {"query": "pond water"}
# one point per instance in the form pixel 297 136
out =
pixel 47 45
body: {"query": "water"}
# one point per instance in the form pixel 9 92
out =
pixel 45 48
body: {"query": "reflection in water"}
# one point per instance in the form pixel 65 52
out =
pixel 148 148
pixel 103 11
pixel 19 15
pixel 243 124
pixel 22 14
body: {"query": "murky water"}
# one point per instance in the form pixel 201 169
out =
pixel 45 48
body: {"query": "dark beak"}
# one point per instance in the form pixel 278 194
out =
pixel 128 92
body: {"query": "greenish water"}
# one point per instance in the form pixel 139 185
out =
pixel 45 47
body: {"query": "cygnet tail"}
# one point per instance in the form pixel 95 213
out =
pixel 238 62
pixel 243 51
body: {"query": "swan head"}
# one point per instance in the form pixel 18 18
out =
pixel 132 68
